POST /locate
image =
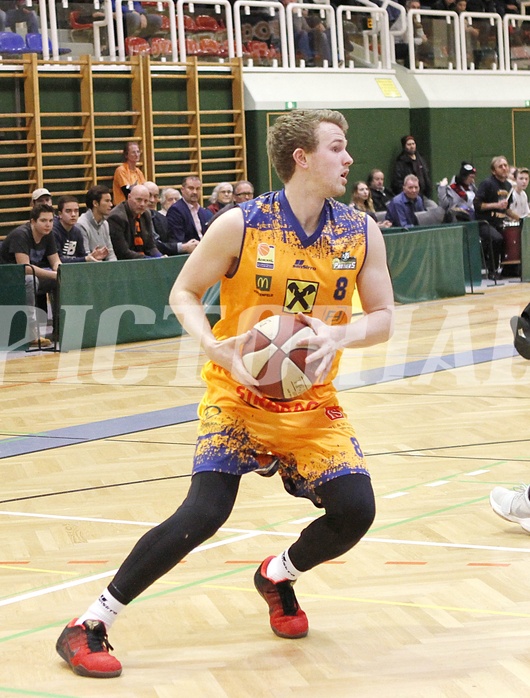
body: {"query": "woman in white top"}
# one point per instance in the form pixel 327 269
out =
pixel 519 199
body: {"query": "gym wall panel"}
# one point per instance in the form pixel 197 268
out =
pixel 373 140
pixel 447 136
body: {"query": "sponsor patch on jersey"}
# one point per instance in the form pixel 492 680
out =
pixel 265 256
pixel 334 413
pixel 345 261
pixel 335 317
pixel 300 296
pixel 302 264
pixel 263 282
pixel 211 411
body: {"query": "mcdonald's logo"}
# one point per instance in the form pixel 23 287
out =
pixel 263 283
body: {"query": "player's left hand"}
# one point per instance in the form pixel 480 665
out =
pixel 325 341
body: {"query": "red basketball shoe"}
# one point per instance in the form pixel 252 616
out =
pixel 85 648
pixel 286 617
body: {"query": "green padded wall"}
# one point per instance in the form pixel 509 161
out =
pixel 12 296
pixel 448 136
pixel 119 302
pixel 426 264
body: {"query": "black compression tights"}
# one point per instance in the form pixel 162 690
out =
pixel 349 512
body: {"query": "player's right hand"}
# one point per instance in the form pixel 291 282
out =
pixel 227 354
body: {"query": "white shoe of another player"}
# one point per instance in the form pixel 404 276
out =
pixel 512 505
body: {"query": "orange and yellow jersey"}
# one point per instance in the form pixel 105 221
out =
pixel 281 270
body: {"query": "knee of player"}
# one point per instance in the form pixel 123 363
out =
pixel 208 522
pixel 357 519
pixel 352 518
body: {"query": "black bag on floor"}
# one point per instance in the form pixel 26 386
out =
pixel 521 332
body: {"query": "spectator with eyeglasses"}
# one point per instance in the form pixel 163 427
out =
pixel 243 191
pixel 221 196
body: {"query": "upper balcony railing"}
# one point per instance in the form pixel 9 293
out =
pixel 268 34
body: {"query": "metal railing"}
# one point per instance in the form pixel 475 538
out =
pixel 483 48
pixel 120 28
pixel 433 39
pixel 375 36
pixel 269 35
pixel 277 34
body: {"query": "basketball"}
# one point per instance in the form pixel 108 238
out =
pixel 272 357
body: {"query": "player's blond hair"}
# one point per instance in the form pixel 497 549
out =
pixel 297 129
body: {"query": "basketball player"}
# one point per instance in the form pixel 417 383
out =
pixel 293 251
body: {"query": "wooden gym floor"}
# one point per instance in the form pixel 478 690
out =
pixel 97 447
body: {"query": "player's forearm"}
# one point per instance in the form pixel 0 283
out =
pixel 190 313
pixel 374 328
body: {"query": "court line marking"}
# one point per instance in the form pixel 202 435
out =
pixel 241 534
pixel 118 426
pixel 110 573
pixel 126 483
pixel 22 567
pixel 39 694
pixel 383 602
pixel 95 431
pixel 394 603
pixel 244 533
pixel 434 544
pixel 90 519
pixel 453 477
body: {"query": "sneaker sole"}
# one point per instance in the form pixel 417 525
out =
pixel 525 525
pixel 289 637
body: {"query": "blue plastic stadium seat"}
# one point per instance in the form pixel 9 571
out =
pixel 11 43
pixel 34 44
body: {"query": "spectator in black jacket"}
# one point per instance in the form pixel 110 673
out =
pixel 130 226
pixel 159 223
pixel 492 204
pixel 381 195
pixel 409 161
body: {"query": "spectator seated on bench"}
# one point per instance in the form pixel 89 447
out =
pixel 403 209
